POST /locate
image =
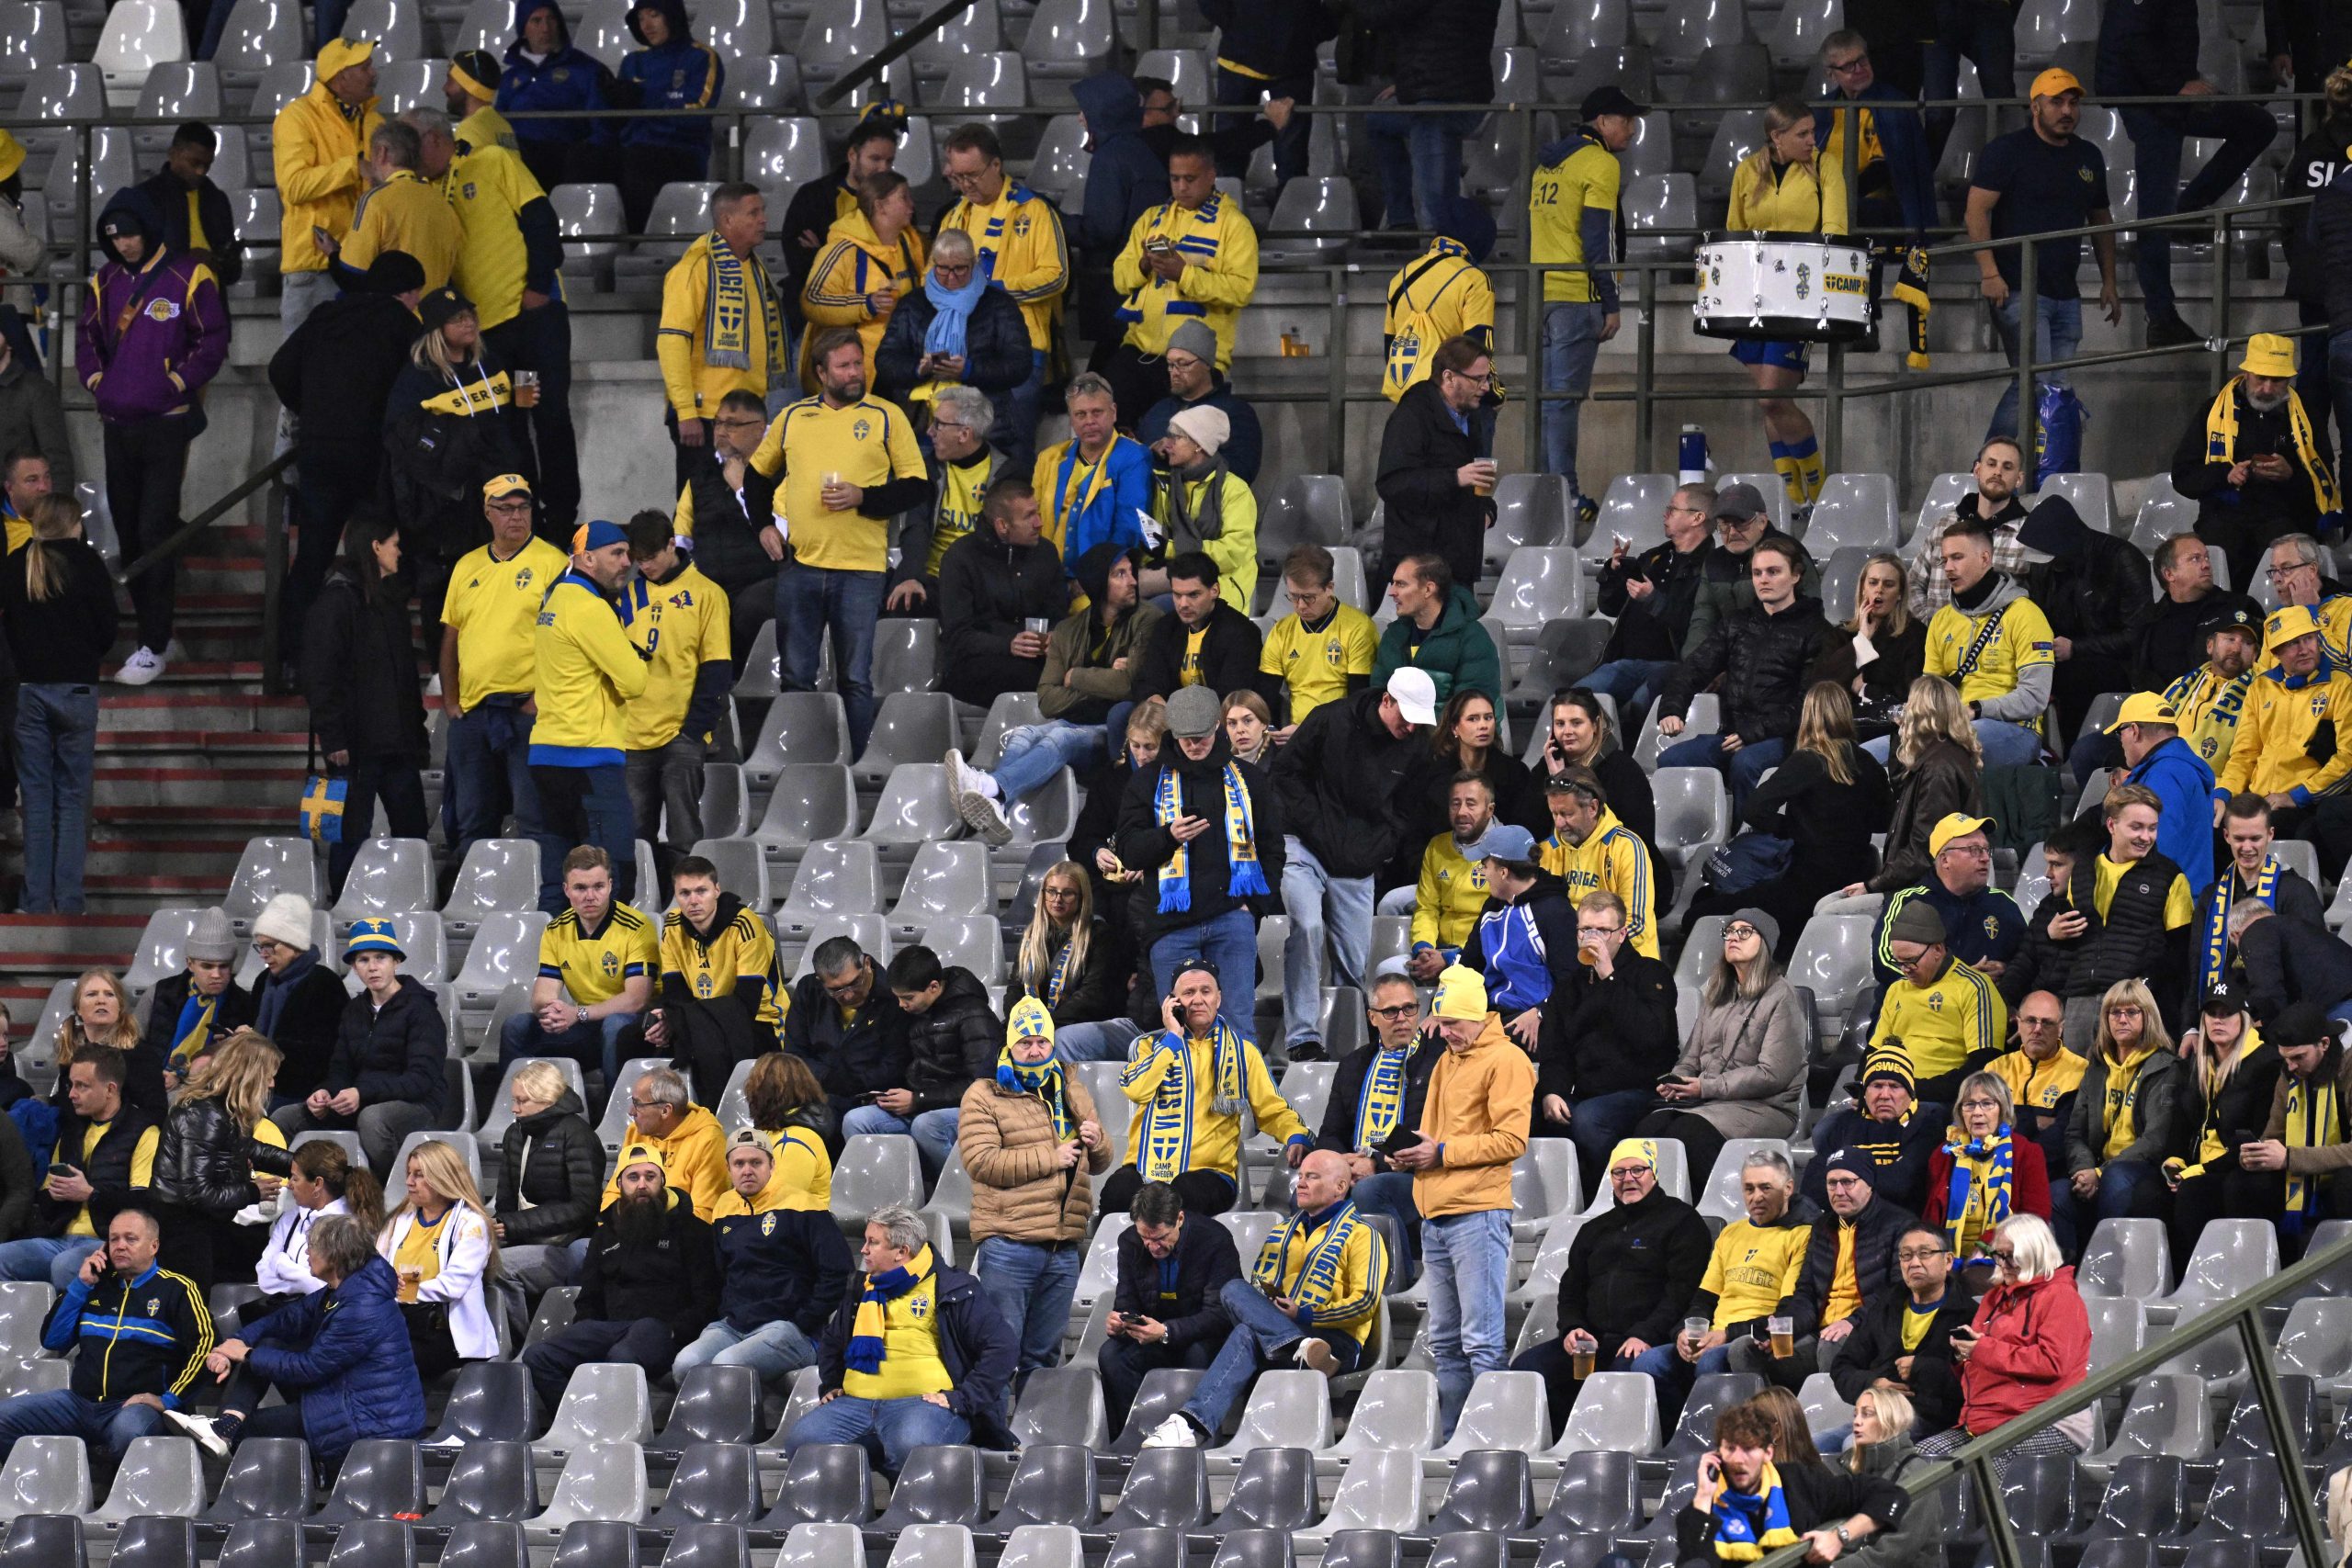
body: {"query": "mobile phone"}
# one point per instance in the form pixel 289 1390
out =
pixel 319 237
pixel 1664 1079
pixel 873 1095
pixel 62 1170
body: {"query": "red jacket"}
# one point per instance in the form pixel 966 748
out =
pixel 2028 1183
pixel 2034 1342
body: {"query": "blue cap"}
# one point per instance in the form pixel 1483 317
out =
pixel 1505 842
pixel 597 535
pixel 372 936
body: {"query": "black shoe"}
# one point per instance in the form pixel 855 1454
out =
pixel 2171 332
pixel 1305 1051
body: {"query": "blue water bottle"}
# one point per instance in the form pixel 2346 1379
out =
pixel 1694 456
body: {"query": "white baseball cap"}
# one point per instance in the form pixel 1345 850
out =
pixel 1416 694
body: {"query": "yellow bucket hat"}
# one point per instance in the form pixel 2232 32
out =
pixel 12 155
pixel 339 54
pixel 2268 354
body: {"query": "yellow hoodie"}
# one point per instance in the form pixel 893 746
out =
pixel 586 669
pixel 317 146
pixel 1612 857
pixel 694 1161
pixel 802 1178
pixel 855 264
pixel 1476 1113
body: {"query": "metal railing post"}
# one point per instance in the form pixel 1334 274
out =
pixel 1335 373
pixel 2029 327
pixel 2285 1445
pixel 1833 417
pixel 1646 372
pixel 1999 1533
pixel 2222 263
pixel 1530 296
pixel 273 578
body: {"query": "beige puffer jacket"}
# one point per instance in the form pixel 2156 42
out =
pixel 1018 1190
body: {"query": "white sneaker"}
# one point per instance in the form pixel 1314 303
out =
pixel 990 819
pixel 200 1428
pixel 980 812
pixel 1175 1432
pixel 1316 1356
pixel 143 665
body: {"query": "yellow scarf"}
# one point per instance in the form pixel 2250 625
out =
pixel 2313 1122
pixel 2222 440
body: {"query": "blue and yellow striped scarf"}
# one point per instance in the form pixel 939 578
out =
pixel 1382 1103
pixel 1318 1271
pixel 1995 1155
pixel 1749 1524
pixel 2213 963
pixel 1046 1083
pixel 2314 1121
pixel 867 1328
pixel 192 1034
pixel 1164 1150
pixel 1245 877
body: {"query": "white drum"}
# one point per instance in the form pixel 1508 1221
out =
pixel 1783 287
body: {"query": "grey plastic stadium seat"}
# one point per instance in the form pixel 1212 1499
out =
pixel 938 1485
pixel 1148 1547
pixel 263 1543
pixel 837 35
pixel 504 951
pixel 715 1483
pixel 1722 1199
pixel 1380 1489
pixel 374 1543
pixel 705 1545
pixel 605 1402
pixel 947 880
pixel 489 1480
pixel 492 1400
pixel 1167 1488
pixel 487 1543
pixel 1545 1181
pixel 24 1305
pixel 1693 814
pixel 177 90
pixel 596 1544
pixel 979 30
pixel 770 83
pixel 1492 1490
pixel 45 1475
pixel 1060 1404
pixel 2093 497
pixel 2119 1327
pixel 1505 1410
pixel 2126 1258
pixel 974 941
pixel 1273 1490
pixel 715 1405
pixel 498 875
pixel 807 802
pixel 902 759
pixel 269 1478
pixel 874 1169
pixel 1000 79
pixel 158 1475
pixel 825 1484
pixel 153 1541
pixel 1469 1548
pixel 1710 1393
pixel 1053 1484
pixel 743 869
pixel 821 1545
pixel 1661 215
pixel 1540 584
pixel 740 30
pixel 44 1540
pixel 782 154
pixel 32 39
pixel 1058 168
pixel 1739 134
pixel 1358 1548
pixel 1312 222
pixel 1854 509
pixel 600 1479
pixel 1833 960
pixel 1287 1409
pixel 1253 1549
pixel 162 949
pixel 2230 1256
pixel 1396 1410
pixel 2316 1341
pixel 382 1478
pixel 2166 1414
pixel 405 83
pixel 837 877
pixel 138 36
pixel 1067 39
pixel 387 876
pixel 269 866
pixel 906 659
pixel 396 26
pixel 1634 505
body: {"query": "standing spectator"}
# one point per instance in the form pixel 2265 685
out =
pixel 548 73
pixel 467 94
pixel 359 675
pixel 2034 180
pixel 1939 1011
pixel 723 507
pixel 2162 763
pixel 1430 56
pixel 1894 171
pixel 682 1136
pixel 1616 1036
pixel 584 668
pixel 1850 1267
pixel 781 1268
pixel 1886 1124
pixel 401 210
pixel 1374 1109
pixel 1767 656
pixel 674 71
pixel 1193 382
pixel 189 1012
pixel 154 332
pixel 597 965
pixel 2256 464
pixel 387 1078
pixel 318 144
pixel 682 619
pixel 957 330
pixel 1124 179
pixel 32 428
pixel 952 1039
pixel 1200 505
pixel 1436 476
pixel 1572 220
pixel 1442 293
pixel 2092 584
pixel 103 1160
pixel 2148 49
pixel 846 1025
pixel 1998 474
pixel 550 1179
pixel 57 610
pixel 1787 185
pixel 2230 1075
pixel 1267 51
pixel 297 998
pixel 2030 1342
pixel 1437 632
pixel 1323 649
pixel 2289 960
pixel 1988 1168
pixel 1168 1305
pixel 872 259
pixel 1018 234
pixel 1741 1073
pixel 1031 1141
pixel 820 203
pixel 210 1163
pixel 1581 736
pixel 719 332
pixel 998 585
pixel 196 219
pixel 442 1232
pixel 783 1099
pixel 1095 486
pixel 2306 1146
pixel 2123 1118
pixel 722 985
pixel 1194 257
pixel 1652 596
pixel 1208 643
pixel 1984 32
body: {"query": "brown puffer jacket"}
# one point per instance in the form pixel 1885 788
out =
pixel 1018 1190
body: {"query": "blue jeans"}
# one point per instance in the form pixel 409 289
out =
pixel 1112 1040
pixel 1036 752
pixel 774 1350
pixel 1229 943
pixel 1309 892
pixel 1390 1193
pixel 1634 684
pixel 1031 1283
pixel 56 1258
pixel 488 770
pixel 1664 1366
pixel 1420 160
pixel 811 600
pixel 1596 1124
pixel 2005 745
pixel 889 1430
pixel 2057 333
pixel 1232 88
pixel 1571 344
pixel 1261 1337
pixel 1468 1259
pixel 2244 130
pixel 2128 1189
pixel 587 806
pixel 932 1131
pixel 57 743
pixel 1741 769
pixel 108 1428
pixel 594 1045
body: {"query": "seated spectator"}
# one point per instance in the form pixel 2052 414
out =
pixel 1323 649
pixel 597 961
pixel 1312 1300
pixel 951 1044
pixel 1902 1343
pixel 388 1077
pixel 1987 1168
pixel 1652 595
pixel 1030 1138
pixel 723 504
pixel 2030 1341
pixel 1166 1307
pixel 2287 960
pixel 1445 902
pixel 324 1184
pixel 1887 1125
pixel 1939 1013
pixel 1093 486
pixel 1193 258
pixel 1617 1035
pixel 443 1235
pixel 2298 1164
pixel 2287 749
pixel 1630 1270
pixel 1746 1503
pixel 340 1352
pixel 2212 697
pixel 1726 585
pixel 1207 642
pixel 2123 1118
pixel 1376 1105
pixel 1849 1266
pixel 649 1286
pixel 722 985
pixel 214 1160
pixel 2252 461
pixel 2000 479
pixel 25 475
pixel 1756 1262
pixel 103 1020
pixel 2229 1077
pixel 960 328
pixel 2302 573
pixel 683 1138
pixel 1467 738
pixel 103 1160
pixel 1884 1420
pixel 1250 727
pixel 1889 647
pixel 2046 962
pixel 1195 382
pixel 2090 589
pixel 1437 630
pixel 846 1025
pixel 782 1269
pixel 1437 469
pixel 999 586
pixel 2161 761
pixel 1524 935
pixel 2133 905
pixel 1094 836
pixel 2043 1075
pixel 138 1335
pixel 914 1355
pixel 1188 1084
pixel 1200 505
pixel 1766 655
pixel 1741 1074
pixel 33 437
pixel 2002 640
pixel 785 1101
pixel 1982 926
pixel 2163 644
pixel 2252 871
pixel 1067 955
pixel 1582 735
pixel 188 1013
pixel 551 1180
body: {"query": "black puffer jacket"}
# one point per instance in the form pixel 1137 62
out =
pixel 1631 1269
pixel 359 670
pixel 205 1161
pixel 1436 54
pixel 2238 1112
pixel 1880 1226
pixel 2131 940
pixel 1765 661
pixel 395 1053
pixel 551 1158
pixel 1944 780
pixel 1087 996
pixel 1339 779
pixel 953 1044
pixel 1144 845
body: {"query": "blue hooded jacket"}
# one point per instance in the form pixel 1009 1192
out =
pixel 344 1349
pixel 1125 180
pixel 678 73
pixel 2185 830
pixel 1910 166
pixel 567 79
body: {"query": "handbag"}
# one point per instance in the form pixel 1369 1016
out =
pixel 321 812
pixel 1750 860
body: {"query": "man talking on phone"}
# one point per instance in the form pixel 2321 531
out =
pixel 1747 1506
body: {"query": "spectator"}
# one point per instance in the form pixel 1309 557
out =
pixel 2228 1077
pixel 818 204
pixel 2330 234
pixel 1987 1167
pixel 1442 293
pixel 722 508
pixel 1756 1262
pixel 2131 906
pixel 954 1354
pixel 782 1268
pixel 1199 506
pixel 846 1025
pixel 1195 382
pixel 1572 218
pixel 359 675
pixel 722 985
pixel 1889 1122
pixel 958 328
pixel 2093 584
pixel 2287 961
pixel 2044 1074
pixel 213 1160
pixel 1467 739
pixel 1771 190
pixel 297 998
pixel 1630 1270
pixel 2253 871
pixel 1895 168
pixel 952 1039
pixel 1940 1010
pixel 2028 1342
pixel 1094 836
pixel 1766 655
pixel 467 94
pixel 550 1179
pixel 597 962
pixel 57 607
pixel 873 258
pixel 1126 178
pixel 1582 735
pixel 584 668
pixel 2123 1118
pixel 324 1184
pixel 1849 1267
pixel 649 1285
pixel 1437 630
pixel 342 1351
pixel 1029 1136
pixel 401 210
pixel 2161 643
pixel 2149 51
pixel 1902 1345
pixel 546 73
pixel 2209 697
pixel 844 463
pixel 189 1012
pixel 674 71
pixel 1188 1084
pixel 102 1019
pixel 386 1078
pixel 1652 596
pixel 1995 644
pixel 1450 890
pixel 1591 849
pixel 682 620
pixel 1339 778
pixel 128 1370
pixel 1208 643
pixel 1724 588
pixel 719 329
pixel 1437 473
pixel 442 1232
pixel 1615 1036
pixel 682 1136
pixel 2254 465
pixel 1522 937
pixel 785 1101
pixel 146 370
pixel 1342 666
pixel 196 221
pixel 1249 728
pixel 998 585
pixel 1066 954
pixel 1742 1494
pixel 1166 1307
pixel 1267 52
pixel 2287 749
pixel 1374 1107
pixel 1999 477
pixel 1429 57
pixel 1741 1073
pixel 318 145
pixel 2038 179
pixel 1018 235
pixel 965 469
pixel 2297 575
pixel 2162 763
pixel 1473 1126
pixel 28 472
pixel 2305 1145
pixel 103 1160
pixel 1982 926
pixel 1094 485
pixel 1194 257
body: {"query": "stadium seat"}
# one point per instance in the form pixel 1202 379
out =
pixel 915 810
pixel 1010 711
pixel 1856 509
pixel 1057 170
pixel 265 35
pixel 1356 1548
pixel 1634 507
pixel 1066 40
pixel 1722 1197
pixel 1825 1410
pixel 1000 79
pixel 1737 134
pixel 2119 1327
pixel 595 1543
pixel 1166 1489
pixel 1540 584
pixel 715 1483
pixel 487 1543
pixel 1057 1404
pixel 1043 1546
pixel 837 35
pixel 2146 1497
pixel 57 99
pixel 489 1480
pixel 45 1475
pixel 396 27
pixel 162 949
pixel 270 866
pixel 938 1485
pixel 269 1478
pixel 491 1401
pixel 2163 512
pixel 909 727
pixel 2126 1258
pixel 716 1405
pixel 947 880
pixel 387 876
pixel 139 34
pixel 1380 1489
pixel 1545 1181
pixel 1273 1490
pixel 1286 1409
pixel 977 31
pixel 2166 1414
pixel 1599 1491
pixel 1833 960
pixel 807 802
pixel 780 154
pixel 1614 1412
pixel 158 1475
pixel 743 869
pixel 1504 1410
pixel 154 1540
pixel 1661 215
pixel 179 90
pixel 801 728
pixel 44 1540
pixel 874 1169
pixel 32 40
pixel 382 1478
pixel 506 951
pixel 820 1543
pixel 2230 1256
pixel 1250 1548
pixel 1313 222
pixel 405 84
pixel 680 211
pixel 2093 498
pixel 1541 1285
pixel 1710 1395
pixel 1693 816
pixel 603 1402
pixel 588 216
pixel 973 942
pixel 1052 1484
pixel 498 875
pixel 1491 1491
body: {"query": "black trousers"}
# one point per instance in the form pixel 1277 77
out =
pixel 146 464
pixel 335 477
pixel 1136 382
pixel 1125 1363
pixel 1204 1191
pixel 540 341
pixel 1701 1142
pixel 2327 823
pixel 645 170
pixel 646 1342
pixel 396 781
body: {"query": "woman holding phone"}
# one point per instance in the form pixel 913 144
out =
pixel 2030 1342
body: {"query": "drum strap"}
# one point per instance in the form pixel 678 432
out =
pixel 1992 628
pixel 1404 284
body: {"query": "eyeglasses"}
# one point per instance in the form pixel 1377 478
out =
pixel 1741 932
pixel 1848 67
pixel 1404 1010
pixel 1980 1105
pixel 1598 931
pixel 2006 1256
pixel 1971 851
pixel 845 989
pixel 637 1104
pixel 2121 1009
pixel 1919 1255
pixel 945 271
pixel 973 178
pixel 2281 573
pixel 510 506
pixel 1486 380
pixel 1180 364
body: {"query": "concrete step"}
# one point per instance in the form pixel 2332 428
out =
pixel 196 789
pixel 74 941
pixel 215 708
pixel 239 674
pixel 189 854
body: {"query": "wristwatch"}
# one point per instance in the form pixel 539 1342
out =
pixel 1845 1536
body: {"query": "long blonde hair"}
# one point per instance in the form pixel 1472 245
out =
pixel 1036 943
pixel 55 519
pixel 69 1031
pixel 2152 1023
pixel 1932 711
pixel 1826 729
pixel 238 1075
pixel 444 1169
pixel 1896 1415
pixel 1898 618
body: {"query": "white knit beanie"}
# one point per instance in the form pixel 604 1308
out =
pixel 286 919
